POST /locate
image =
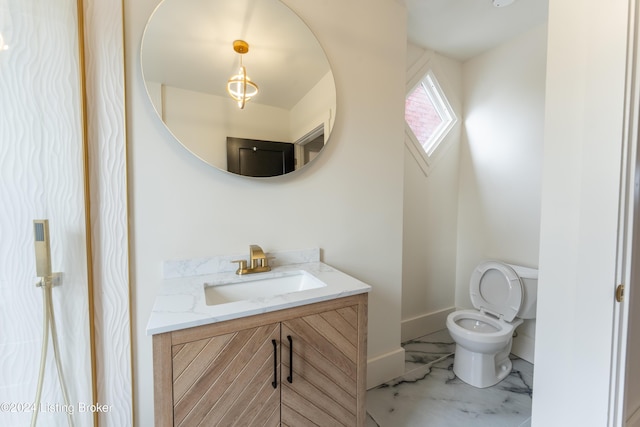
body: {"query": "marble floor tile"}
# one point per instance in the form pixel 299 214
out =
pixel 370 422
pixel 430 395
pixel 427 349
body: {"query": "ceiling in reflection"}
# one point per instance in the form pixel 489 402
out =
pixel 189 45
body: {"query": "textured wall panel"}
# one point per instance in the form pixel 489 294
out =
pixel 107 153
pixel 41 176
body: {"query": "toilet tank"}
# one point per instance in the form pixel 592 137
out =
pixel 529 277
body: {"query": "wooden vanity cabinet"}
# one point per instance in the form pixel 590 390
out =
pixel 303 366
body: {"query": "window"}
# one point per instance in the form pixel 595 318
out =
pixel 428 114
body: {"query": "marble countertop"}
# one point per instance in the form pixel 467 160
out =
pixel 180 302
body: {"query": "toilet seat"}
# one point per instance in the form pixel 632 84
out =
pixel 464 323
pixel 495 288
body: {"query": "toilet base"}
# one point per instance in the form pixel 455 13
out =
pixel 482 370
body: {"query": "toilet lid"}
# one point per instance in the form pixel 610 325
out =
pixel 496 288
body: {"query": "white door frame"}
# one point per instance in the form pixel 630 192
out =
pixel 628 268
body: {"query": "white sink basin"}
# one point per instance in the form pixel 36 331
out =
pixel 260 287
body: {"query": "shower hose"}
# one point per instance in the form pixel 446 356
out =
pixel 49 325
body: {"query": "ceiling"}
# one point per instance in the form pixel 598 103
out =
pixel 462 29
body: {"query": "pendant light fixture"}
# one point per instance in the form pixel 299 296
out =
pixel 240 87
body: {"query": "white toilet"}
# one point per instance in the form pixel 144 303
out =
pixel 504 295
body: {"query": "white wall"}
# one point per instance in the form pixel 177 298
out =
pixel 351 194
pixel 501 163
pixel 316 107
pixel 203 122
pixel 430 206
pixel 579 222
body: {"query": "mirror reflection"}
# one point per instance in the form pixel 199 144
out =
pixel 200 56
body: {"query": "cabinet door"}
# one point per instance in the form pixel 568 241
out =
pixel 323 390
pixel 228 379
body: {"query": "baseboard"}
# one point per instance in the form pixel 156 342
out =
pixel 385 367
pixel 424 324
pixel 523 347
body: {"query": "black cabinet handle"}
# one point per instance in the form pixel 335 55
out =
pixel 290 377
pixel 275 364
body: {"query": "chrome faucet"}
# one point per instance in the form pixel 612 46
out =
pixel 258 262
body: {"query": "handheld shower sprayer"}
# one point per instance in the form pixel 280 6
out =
pixel 42 247
pixel 43 270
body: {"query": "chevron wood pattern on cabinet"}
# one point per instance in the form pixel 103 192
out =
pixel 226 379
pixel 222 374
pixel 323 390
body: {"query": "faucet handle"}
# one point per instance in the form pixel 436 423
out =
pixel 256 248
pixel 242 266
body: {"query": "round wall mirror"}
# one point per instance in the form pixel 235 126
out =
pixel 201 59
